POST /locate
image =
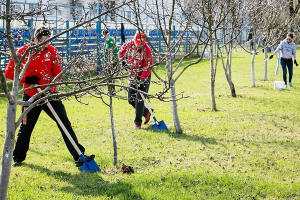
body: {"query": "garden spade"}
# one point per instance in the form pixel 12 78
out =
pixel 159 125
pixel 87 166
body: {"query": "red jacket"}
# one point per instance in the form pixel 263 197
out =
pixel 138 60
pixel 45 65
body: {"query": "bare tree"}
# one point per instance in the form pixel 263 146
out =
pixel 294 6
pixel 264 17
pixel 200 21
pixel 222 27
pixel 229 36
pixel 78 72
pixel 172 27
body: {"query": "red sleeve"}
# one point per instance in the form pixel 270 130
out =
pixel 122 51
pixel 9 71
pixel 147 62
pixel 10 68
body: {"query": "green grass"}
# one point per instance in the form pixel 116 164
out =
pixel 249 149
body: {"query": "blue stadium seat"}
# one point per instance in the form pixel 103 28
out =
pixel 111 31
pixel 94 32
pixel 81 32
pixel 26 34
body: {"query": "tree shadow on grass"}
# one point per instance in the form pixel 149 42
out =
pixel 184 136
pixel 196 138
pixel 87 184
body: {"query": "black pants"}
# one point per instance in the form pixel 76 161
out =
pixel 251 45
pixel 287 63
pixel 29 121
pixel 135 99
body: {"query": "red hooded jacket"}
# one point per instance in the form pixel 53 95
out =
pixel 45 64
pixel 137 58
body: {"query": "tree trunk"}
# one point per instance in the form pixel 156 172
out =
pixel 278 62
pixel 232 89
pixel 113 126
pixel 229 80
pixel 266 64
pixel 176 120
pixel 212 79
pixel 174 108
pixel 212 70
pixel 252 68
pixel 228 74
pixel 7 150
pixel 231 85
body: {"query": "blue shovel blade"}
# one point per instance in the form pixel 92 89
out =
pixel 89 166
pixel 160 127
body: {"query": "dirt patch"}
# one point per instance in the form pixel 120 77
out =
pixel 203 110
pixel 126 169
pixel 209 109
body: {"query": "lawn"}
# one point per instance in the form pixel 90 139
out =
pixel 248 149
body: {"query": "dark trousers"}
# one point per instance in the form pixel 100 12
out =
pixel 29 121
pixel 135 99
pixel 287 63
pixel 251 45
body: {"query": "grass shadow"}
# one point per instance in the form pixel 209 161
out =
pixel 66 157
pixel 184 136
pixel 87 183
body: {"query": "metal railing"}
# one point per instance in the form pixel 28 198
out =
pixel 87 40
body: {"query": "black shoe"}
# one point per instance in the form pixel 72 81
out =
pixel 17 163
pixel 79 162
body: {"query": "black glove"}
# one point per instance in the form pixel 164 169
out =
pixel 295 62
pixel 271 56
pixel 124 64
pixel 32 80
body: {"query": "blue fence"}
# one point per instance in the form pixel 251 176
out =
pixel 86 41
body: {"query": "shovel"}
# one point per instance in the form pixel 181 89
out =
pixel 87 166
pixel 158 126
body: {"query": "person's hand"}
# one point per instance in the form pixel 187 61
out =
pixel 295 62
pixel 32 80
pixel 271 56
pixel 124 64
pixel 141 83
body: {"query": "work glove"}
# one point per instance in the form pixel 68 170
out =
pixel 271 56
pixel 32 80
pixel 124 64
pixel 295 62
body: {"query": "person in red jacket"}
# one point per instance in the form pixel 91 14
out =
pixel 45 65
pixel 136 55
